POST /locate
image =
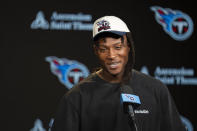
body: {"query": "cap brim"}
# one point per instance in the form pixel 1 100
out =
pixel 107 32
pixel 118 33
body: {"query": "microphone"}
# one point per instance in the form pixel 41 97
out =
pixel 130 102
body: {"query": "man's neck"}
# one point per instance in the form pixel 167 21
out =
pixel 109 77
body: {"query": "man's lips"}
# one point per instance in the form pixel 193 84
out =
pixel 113 65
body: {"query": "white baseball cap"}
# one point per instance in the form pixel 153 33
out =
pixel 111 24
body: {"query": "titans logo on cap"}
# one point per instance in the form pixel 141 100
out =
pixel 103 25
pixel 174 22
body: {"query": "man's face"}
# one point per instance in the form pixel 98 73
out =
pixel 113 54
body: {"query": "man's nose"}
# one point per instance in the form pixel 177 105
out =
pixel 111 54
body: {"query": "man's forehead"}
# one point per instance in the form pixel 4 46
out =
pixel 112 40
pixel 109 40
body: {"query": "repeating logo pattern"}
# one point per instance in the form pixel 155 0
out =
pixel 188 125
pixel 40 22
pixel 174 22
pixel 173 76
pixel 69 72
pixel 63 21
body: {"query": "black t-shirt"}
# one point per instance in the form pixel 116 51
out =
pixel 94 105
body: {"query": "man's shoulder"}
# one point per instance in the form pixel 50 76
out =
pixel 139 77
pixel 91 79
pixel 78 90
pixel 85 83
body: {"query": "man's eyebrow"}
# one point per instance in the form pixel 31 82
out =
pixel 117 43
pixel 114 44
pixel 102 45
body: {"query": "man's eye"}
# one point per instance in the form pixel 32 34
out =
pixel 102 49
pixel 118 47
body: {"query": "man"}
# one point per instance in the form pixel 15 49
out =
pixel 94 104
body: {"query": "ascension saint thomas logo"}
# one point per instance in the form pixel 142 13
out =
pixel 40 22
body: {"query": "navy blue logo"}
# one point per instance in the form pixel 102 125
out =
pixel 174 22
pixel 69 72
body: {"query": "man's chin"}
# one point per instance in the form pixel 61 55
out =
pixel 114 73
